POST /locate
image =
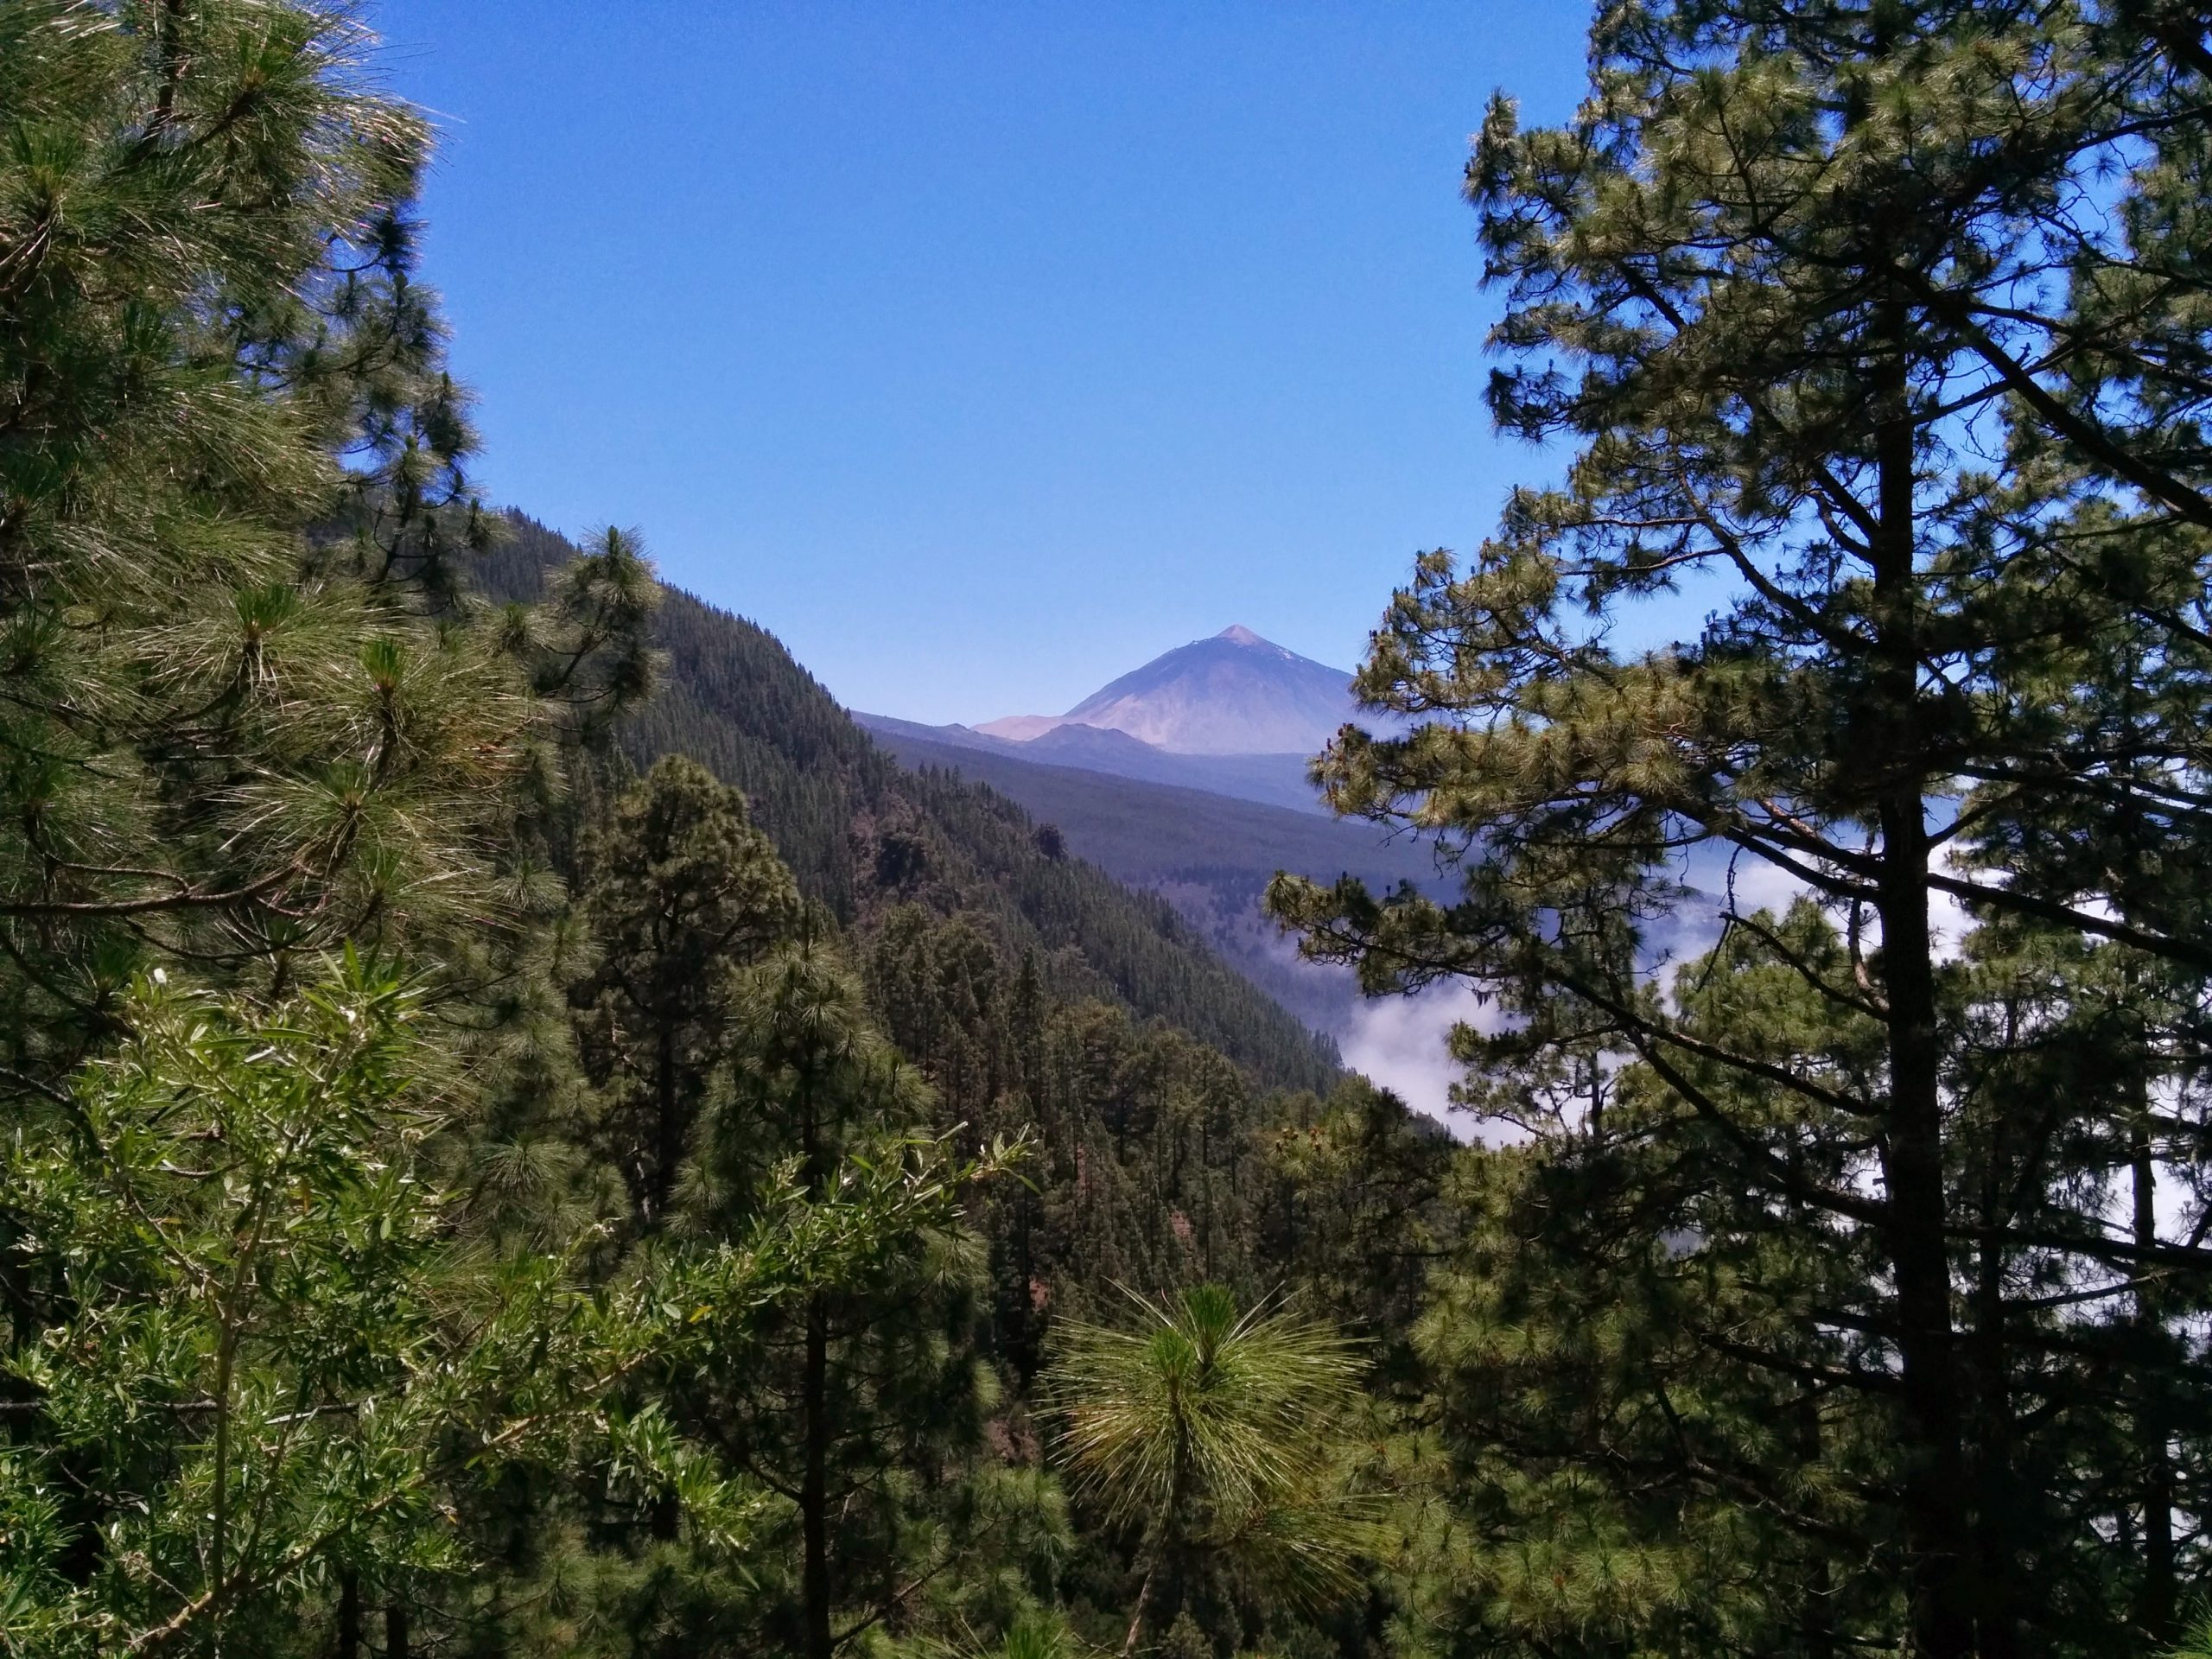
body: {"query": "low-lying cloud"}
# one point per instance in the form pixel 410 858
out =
pixel 1402 1044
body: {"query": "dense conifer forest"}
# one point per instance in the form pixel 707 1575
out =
pixel 862 835
pixel 522 1132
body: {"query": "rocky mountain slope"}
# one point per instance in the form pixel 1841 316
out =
pixel 1234 694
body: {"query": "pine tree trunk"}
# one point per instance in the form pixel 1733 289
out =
pixel 1818 1630
pixel 667 1141
pixel 1136 1618
pixel 814 1488
pixel 2157 1598
pixel 394 1630
pixel 349 1614
pixel 1939 1570
pixel 1912 1172
pixel 1992 1441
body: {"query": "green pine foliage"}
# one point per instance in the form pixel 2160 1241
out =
pixel 219 747
pixel 523 1131
pixel 260 1363
pixel 682 895
pixel 1219 1437
pixel 1844 1293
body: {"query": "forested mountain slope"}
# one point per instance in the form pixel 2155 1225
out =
pixel 466 1196
pixel 863 835
pixel 1040 1003
pixel 1209 855
pixel 1147 833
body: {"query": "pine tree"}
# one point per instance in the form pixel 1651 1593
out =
pixel 237 1361
pixel 1789 280
pixel 1355 1212
pixel 221 745
pixel 1209 1434
pixel 740 1062
pixel 864 1409
pixel 682 894
pixel 252 1356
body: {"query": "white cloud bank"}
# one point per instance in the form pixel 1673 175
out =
pixel 1402 1043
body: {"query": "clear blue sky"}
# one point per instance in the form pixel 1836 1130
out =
pixel 983 351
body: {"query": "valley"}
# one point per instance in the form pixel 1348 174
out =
pixel 532 1123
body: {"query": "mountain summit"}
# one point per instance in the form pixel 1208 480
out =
pixel 1234 694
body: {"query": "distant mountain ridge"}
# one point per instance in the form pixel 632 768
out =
pixel 1271 779
pixel 1234 694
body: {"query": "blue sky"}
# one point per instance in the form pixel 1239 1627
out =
pixel 983 351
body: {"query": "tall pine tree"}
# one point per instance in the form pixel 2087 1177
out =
pixel 1871 326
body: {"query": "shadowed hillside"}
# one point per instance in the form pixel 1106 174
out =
pixel 1210 855
pixel 862 834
